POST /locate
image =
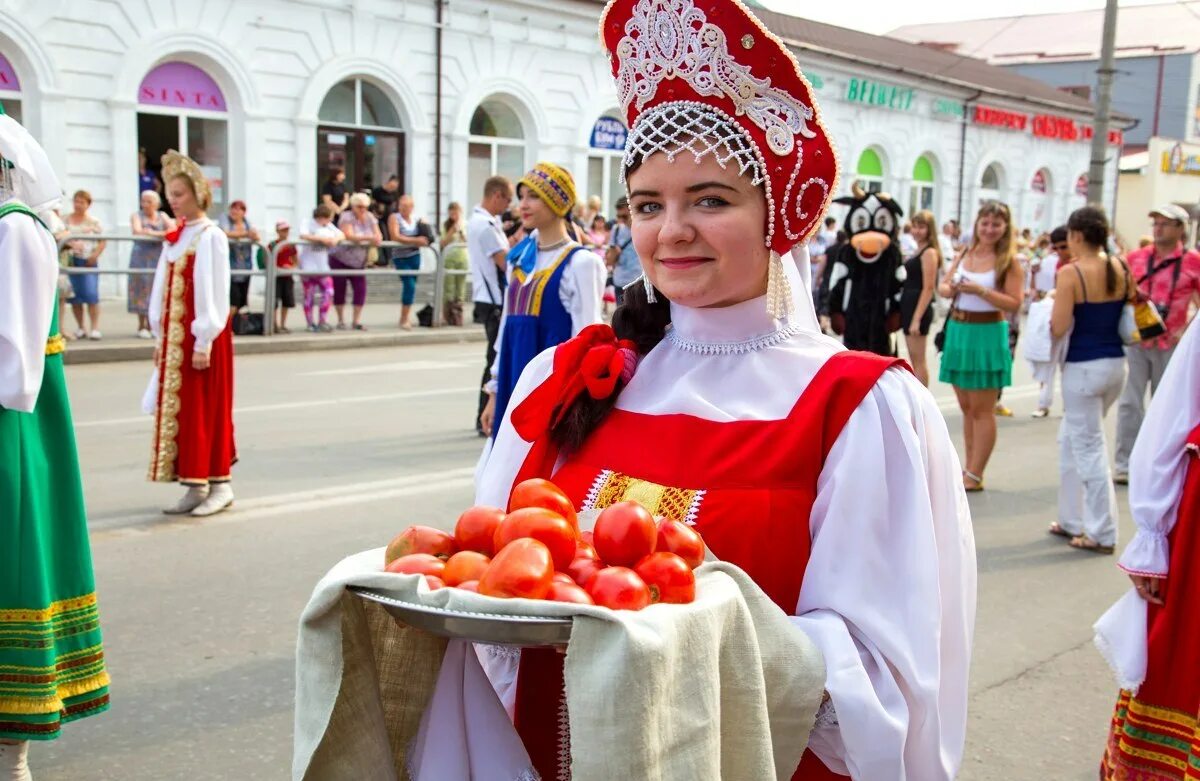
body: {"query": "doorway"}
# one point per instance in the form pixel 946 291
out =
pixel 204 139
pixel 368 157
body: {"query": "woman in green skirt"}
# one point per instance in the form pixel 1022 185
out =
pixel 985 283
pixel 51 662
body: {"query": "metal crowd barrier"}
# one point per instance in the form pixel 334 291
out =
pixel 271 271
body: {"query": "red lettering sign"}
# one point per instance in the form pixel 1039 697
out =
pixel 1053 126
pixel 995 117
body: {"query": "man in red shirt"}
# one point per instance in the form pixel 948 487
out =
pixel 1168 276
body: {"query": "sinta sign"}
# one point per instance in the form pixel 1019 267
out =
pixel 608 133
pixel 880 94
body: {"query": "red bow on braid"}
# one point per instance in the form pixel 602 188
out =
pixel 593 361
pixel 173 236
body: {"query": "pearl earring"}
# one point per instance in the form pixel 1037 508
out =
pixel 649 288
pixel 779 290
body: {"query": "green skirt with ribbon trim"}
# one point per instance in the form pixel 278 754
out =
pixel 976 356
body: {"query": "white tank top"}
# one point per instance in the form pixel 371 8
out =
pixel 969 302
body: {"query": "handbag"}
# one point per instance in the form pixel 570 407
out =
pixel 248 324
pixel 939 339
pixel 1140 319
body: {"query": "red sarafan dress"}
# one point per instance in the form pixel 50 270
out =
pixel 193 440
pixel 706 433
pixel 1155 732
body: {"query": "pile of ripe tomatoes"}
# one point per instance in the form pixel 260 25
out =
pixel 536 551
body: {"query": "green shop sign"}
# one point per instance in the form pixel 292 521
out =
pixel 874 93
pixel 950 109
pixel 815 80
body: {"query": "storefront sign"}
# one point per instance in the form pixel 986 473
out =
pixel 1038 185
pixel 1115 137
pixel 608 133
pixel 8 76
pixel 948 109
pixel 1176 161
pixel 1056 127
pixel 995 117
pixel 1081 185
pixel 815 80
pixel 181 85
pixel 875 93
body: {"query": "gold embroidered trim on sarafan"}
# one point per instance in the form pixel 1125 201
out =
pixel 56 345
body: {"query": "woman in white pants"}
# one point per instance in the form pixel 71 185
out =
pixel 1088 301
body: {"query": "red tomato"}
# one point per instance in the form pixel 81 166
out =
pixel 476 529
pixel 625 534
pixel 418 564
pixel 522 569
pixel 684 541
pixel 561 577
pixel 586 551
pixel 419 539
pixel 465 565
pixel 569 592
pixel 470 585
pixel 669 577
pixel 583 569
pixel 543 493
pixel 541 524
pixel 434 582
pixel 619 588
pixel 588 537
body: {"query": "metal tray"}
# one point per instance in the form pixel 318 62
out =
pixel 523 631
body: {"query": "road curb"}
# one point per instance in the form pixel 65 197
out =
pixel 257 345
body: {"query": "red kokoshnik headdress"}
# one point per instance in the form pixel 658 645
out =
pixel 706 76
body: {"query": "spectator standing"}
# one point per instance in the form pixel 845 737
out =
pixel 916 297
pixel 1168 276
pixel 1088 304
pixel 1041 283
pixel 285 286
pixel 597 235
pixel 384 198
pixel 85 254
pixel 241 235
pixel 908 244
pixel 593 210
pixel 453 244
pixel 361 230
pixel 829 233
pixel 411 233
pixel 320 236
pixel 621 255
pixel 150 222
pixel 487 253
pixel 985 282
pixel 333 192
pixel 147 179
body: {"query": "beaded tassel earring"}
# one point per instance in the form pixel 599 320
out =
pixel 779 290
pixel 648 286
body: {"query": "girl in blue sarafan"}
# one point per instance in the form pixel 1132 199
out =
pixel 555 286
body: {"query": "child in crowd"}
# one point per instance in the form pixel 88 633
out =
pixel 321 235
pixel 285 286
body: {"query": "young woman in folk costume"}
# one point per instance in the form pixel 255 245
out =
pixel 555 286
pixel 718 401
pixel 193 378
pixel 52 667
pixel 1151 637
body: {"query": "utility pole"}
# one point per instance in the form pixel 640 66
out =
pixel 1103 105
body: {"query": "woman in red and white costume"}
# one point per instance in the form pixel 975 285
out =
pixel 827 475
pixel 192 389
pixel 1150 636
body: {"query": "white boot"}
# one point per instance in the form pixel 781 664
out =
pixel 219 498
pixel 195 496
pixel 13 764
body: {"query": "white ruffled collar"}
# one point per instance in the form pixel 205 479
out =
pixel 740 328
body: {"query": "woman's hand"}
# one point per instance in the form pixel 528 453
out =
pixel 915 328
pixel 200 361
pixel 488 417
pixel 1149 589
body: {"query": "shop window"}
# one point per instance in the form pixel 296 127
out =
pixel 1038 215
pixel 496 146
pixel 990 184
pixel 870 171
pixel 921 195
pixel 361 134
pixel 10 89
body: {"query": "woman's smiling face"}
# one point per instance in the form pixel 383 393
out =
pixel 700 230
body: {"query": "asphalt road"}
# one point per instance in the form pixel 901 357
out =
pixel 341 450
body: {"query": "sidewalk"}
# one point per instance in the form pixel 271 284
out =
pixel 121 343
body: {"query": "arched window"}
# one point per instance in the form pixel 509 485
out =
pixel 1038 214
pixel 360 133
pixel 496 145
pixel 607 149
pixel 10 89
pixel 181 106
pixel 921 195
pixel 990 184
pixel 870 171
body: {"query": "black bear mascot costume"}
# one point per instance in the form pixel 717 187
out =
pixel 867 274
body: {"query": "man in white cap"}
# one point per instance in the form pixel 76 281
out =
pixel 1167 275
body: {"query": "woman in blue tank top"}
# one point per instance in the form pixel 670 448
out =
pixel 1089 297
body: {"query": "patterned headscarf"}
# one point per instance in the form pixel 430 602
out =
pixel 554 185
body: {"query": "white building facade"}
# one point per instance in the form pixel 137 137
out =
pixel 271 95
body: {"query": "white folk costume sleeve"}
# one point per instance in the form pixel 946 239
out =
pixel 582 290
pixel 1157 466
pixel 28 277
pixel 497 472
pixel 889 593
pixel 210 286
pixel 155 310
